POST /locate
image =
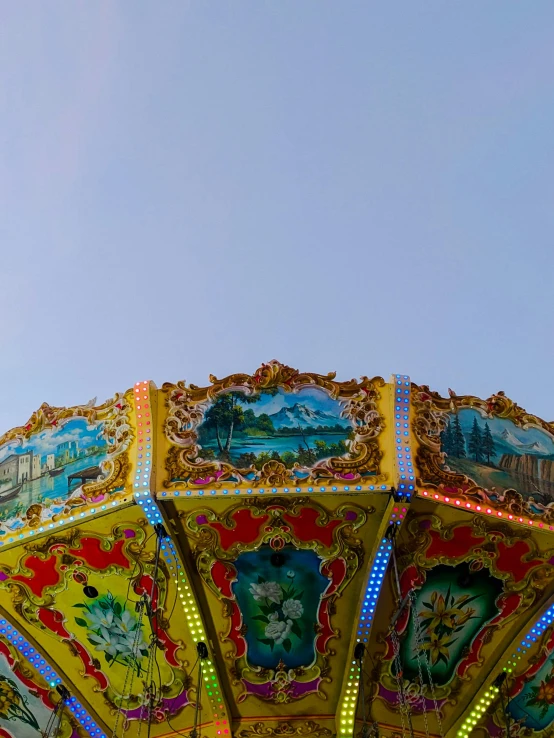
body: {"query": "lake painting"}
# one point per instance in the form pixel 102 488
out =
pixel 293 428
pixel 498 455
pixel 48 468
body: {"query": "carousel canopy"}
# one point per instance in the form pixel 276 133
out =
pixel 278 554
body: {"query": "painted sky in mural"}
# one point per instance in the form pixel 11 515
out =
pixel 495 453
pixel 249 430
pixel 49 466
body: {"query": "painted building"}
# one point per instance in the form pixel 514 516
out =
pixel 67 452
pixel 18 468
pixel 35 467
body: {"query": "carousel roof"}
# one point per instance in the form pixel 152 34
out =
pixel 278 554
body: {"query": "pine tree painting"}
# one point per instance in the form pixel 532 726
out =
pixel 475 445
pixel 446 439
pixel 488 448
pixel 458 441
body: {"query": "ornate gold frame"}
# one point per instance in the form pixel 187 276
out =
pixel 115 414
pixel 430 412
pixel 207 551
pixel 186 405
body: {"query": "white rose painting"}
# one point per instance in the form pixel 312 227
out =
pixel 280 610
pixel 279 595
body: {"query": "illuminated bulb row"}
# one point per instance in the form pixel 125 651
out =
pixel 477 713
pixel 374 584
pixel 35 658
pixel 63 521
pixel 194 622
pixel 348 706
pixel 149 506
pixel 536 632
pixel 373 588
pixel 403 452
pixel 144 435
pixel 485 509
pixel 273 490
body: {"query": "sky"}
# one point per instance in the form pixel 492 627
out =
pixel 195 187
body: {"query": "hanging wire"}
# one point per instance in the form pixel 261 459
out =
pixel 167 716
pixel 145 604
pixel 150 695
pixel 54 723
pixel 418 650
pixel 425 656
pixel 130 671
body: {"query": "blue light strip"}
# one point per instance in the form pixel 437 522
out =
pixel 373 589
pixel 35 658
pixel 150 507
pixel 403 451
pixel 536 632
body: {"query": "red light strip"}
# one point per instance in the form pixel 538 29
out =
pixel 482 509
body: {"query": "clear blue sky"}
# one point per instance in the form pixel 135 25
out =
pixel 351 185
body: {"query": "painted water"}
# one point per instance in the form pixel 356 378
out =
pixel 47 488
pixel 280 444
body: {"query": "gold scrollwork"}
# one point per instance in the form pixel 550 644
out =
pixel 275 519
pixel 115 417
pixel 187 405
pixel 285 728
pixel 430 417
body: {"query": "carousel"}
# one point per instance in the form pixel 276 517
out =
pixel 278 554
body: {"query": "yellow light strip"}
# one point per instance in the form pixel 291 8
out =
pixel 477 712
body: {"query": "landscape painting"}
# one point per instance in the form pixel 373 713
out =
pixel 498 455
pixel 47 469
pixel 293 428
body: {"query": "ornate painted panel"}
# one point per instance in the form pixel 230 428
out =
pixel 82 592
pixel 26 702
pixel 282 572
pixel 471 583
pixel 488 451
pixel 63 461
pixel 275 427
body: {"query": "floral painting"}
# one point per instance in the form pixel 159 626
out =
pixel 114 631
pixel 452 607
pixel 279 595
pixel 534 705
pixel 22 713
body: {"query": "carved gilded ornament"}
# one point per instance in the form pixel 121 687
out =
pixel 116 430
pixel 431 414
pixel 285 728
pixel 188 405
pixel 505 560
pixel 284 525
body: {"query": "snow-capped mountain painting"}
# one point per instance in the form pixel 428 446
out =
pixel 300 415
pixel 294 428
pixel 498 455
